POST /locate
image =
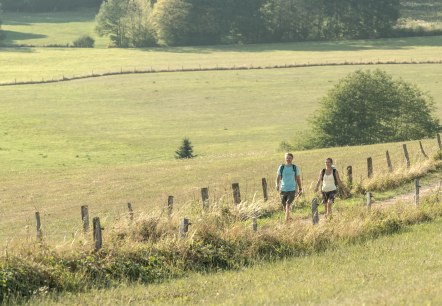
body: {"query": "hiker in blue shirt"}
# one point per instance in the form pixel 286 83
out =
pixel 288 181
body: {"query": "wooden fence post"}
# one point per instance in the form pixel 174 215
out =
pixel 370 167
pixel 416 195
pixel 254 224
pixel 264 189
pixel 39 233
pixel 389 164
pixel 439 141
pixel 85 217
pixel 184 227
pixel 236 193
pixel 170 205
pixel 131 211
pixel 369 196
pixel 350 176
pixel 407 158
pixel 422 149
pixel 315 213
pixel 98 238
pixel 205 197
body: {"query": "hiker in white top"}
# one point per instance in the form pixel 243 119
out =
pixel 288 181
pixel 329 177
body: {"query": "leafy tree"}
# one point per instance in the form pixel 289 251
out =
pixel 127 22
pixel 369 107
pixel 172 22
pixel 185 150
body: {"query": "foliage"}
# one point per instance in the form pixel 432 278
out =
pixel 2 36
pixel 84 41
pixel 185 150
pixel 196 22
pixel 126 22
pixel 369 107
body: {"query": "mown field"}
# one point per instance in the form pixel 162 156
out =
pixel 402 269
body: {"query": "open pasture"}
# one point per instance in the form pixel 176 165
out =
pixel 108 141
pixel 25 64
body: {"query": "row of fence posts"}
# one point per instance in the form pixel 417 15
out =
pixel 185 223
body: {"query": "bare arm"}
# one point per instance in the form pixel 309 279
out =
pixel 298 182
pixel 278 181
pixel 338 179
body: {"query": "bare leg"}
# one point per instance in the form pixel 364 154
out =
pixel 287 212
pixel 329 208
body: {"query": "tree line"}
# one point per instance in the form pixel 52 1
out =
pixel 141 23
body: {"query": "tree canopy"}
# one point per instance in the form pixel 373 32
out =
pixel 197 22
pixel 369 107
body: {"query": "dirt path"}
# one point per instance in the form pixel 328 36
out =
pixel 409 197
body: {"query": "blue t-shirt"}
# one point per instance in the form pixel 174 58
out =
pixel 288 181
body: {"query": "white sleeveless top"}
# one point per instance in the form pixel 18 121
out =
pixel 328 182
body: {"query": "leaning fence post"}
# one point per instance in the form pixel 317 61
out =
pixel 254 224
pixel 98 238
pixel 236 193
pixel 389 164
pixel 422 149
pixel 350 176
pixel 170 205
pixel 439 141
pixel 369 167
pixel 407 158
pixel 39 233
pixel 368 199
pixel 315 213
pixel 416 195
pixel 85 217
pixel 184 227
pixel 131 211
pixel 264 189
pixel 205 197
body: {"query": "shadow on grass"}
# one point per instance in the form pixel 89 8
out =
pixel 312 46
pixel 13 36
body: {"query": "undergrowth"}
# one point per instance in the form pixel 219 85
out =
pixel 149 249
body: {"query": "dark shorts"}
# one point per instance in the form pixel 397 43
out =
pixel 328 196
pixel 287 197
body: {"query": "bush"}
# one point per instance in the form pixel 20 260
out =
pixel 84 41
pixel 368 107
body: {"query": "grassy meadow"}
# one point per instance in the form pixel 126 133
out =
pixel 401 269
pixel 110 140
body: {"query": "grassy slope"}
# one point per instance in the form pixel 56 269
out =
pixel 394 270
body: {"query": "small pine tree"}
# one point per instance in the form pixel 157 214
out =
pixel 185 151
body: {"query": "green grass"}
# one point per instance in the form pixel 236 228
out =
pixel 108 141
pixel 400 269
pixel 55 28
pixel 24 64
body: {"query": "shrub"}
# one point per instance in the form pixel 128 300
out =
pixel 368 107
pixel 84 41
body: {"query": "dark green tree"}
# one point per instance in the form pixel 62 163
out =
pixel 185 150
pixel 369 107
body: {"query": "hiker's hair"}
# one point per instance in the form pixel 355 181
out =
pixel 289 154
pixel 329 159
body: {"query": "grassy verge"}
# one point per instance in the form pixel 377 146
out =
pixel 392 270
pixel 151 251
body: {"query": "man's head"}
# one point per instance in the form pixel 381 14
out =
pixel 288 158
